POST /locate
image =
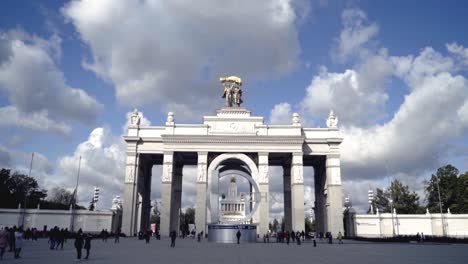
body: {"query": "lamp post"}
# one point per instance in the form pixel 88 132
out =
pixel 370 195
pixel 95 197
pixel 72 228
pixel 391 212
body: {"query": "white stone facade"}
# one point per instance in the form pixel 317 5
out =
pixel 232 139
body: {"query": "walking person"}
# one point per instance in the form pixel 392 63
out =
pixel 340 238
pixel 287 237
pixel 173 238
pixel 11 238
pixel 147 236
pixel 238 235
pixel 19 235
pixel 61 238
pixel 4 235
pixel 79 244
pixel 298 238
pixel 87 244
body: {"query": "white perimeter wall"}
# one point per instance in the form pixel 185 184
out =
pixel 88 221
pixel 380 225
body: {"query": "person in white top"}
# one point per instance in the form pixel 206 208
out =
pixel 18 242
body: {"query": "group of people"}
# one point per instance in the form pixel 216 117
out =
pixel 57 237
pixel 421 237
pixel 286 236
pixel 13 238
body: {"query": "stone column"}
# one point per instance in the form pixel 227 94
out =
pixel 166 188
pixel 176 200
pixel 334 204
pixel 297 192
pixel 129 216
pixel 144 186
pixel 287 197
pixel 264 189
pixel 320 199
pixel 200 210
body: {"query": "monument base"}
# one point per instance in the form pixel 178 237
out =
pixel 226 233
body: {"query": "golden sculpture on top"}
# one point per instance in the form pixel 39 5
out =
pixel 232 90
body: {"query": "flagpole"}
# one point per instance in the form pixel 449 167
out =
pixel 75 197
pixel 26 191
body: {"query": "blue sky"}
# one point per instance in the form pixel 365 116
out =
pixel 394 72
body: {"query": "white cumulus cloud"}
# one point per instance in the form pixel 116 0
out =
pixel 36 88
pixel 168 52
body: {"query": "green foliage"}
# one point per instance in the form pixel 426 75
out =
pixel 453 190
pixel 155 216
pixel 187 218
pixel 309 225
pixel 404 201
pixel 60 195
pixel 274 226
pixel 15 187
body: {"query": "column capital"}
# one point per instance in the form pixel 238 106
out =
pixel 333 156
pixel 168 157
pixel 202 157
pixel 297 158
pixel 263 158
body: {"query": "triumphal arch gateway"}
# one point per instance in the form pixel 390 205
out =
pixel 232 140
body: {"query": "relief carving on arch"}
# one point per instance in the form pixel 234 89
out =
pixel 298 172
pixel 202 171
pixel 167 172
pixel 263 174
pixel 129 175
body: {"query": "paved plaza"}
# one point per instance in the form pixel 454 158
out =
pixel 134 251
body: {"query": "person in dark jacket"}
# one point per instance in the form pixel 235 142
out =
pixel 173 238
pixel 79 244
pixel 147 236
pixel 11 238
pixel 238 235
pixel 87 245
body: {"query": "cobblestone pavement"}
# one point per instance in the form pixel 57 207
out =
pixel 134 251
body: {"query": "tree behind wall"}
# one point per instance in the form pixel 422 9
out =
pixel 404 201
pixel 309 225
pixel 15 187
pixel 155 216
pixel 453 190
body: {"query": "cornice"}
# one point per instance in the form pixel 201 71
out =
pixel 235 139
